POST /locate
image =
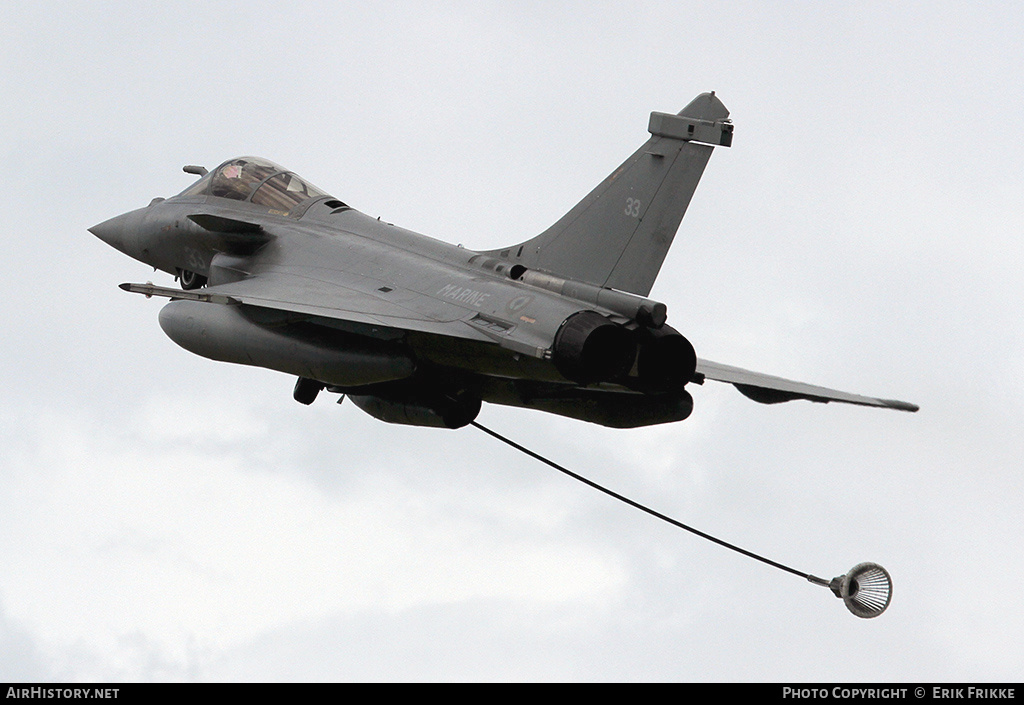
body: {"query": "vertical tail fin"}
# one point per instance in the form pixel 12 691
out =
pixel 618 235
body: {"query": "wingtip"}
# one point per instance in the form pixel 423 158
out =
pixel 901 405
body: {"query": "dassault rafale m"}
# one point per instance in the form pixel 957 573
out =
pixel 279 274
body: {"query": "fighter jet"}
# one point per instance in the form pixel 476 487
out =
pixel 277 273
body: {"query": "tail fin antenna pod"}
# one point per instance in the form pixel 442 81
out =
pixel 618 236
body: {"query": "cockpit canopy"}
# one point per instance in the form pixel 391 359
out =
pixel 257 180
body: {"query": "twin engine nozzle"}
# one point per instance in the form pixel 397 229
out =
pixel 591 348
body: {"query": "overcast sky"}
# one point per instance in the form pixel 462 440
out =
pixel 167 517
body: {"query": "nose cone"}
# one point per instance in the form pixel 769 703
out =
pixel 114 232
